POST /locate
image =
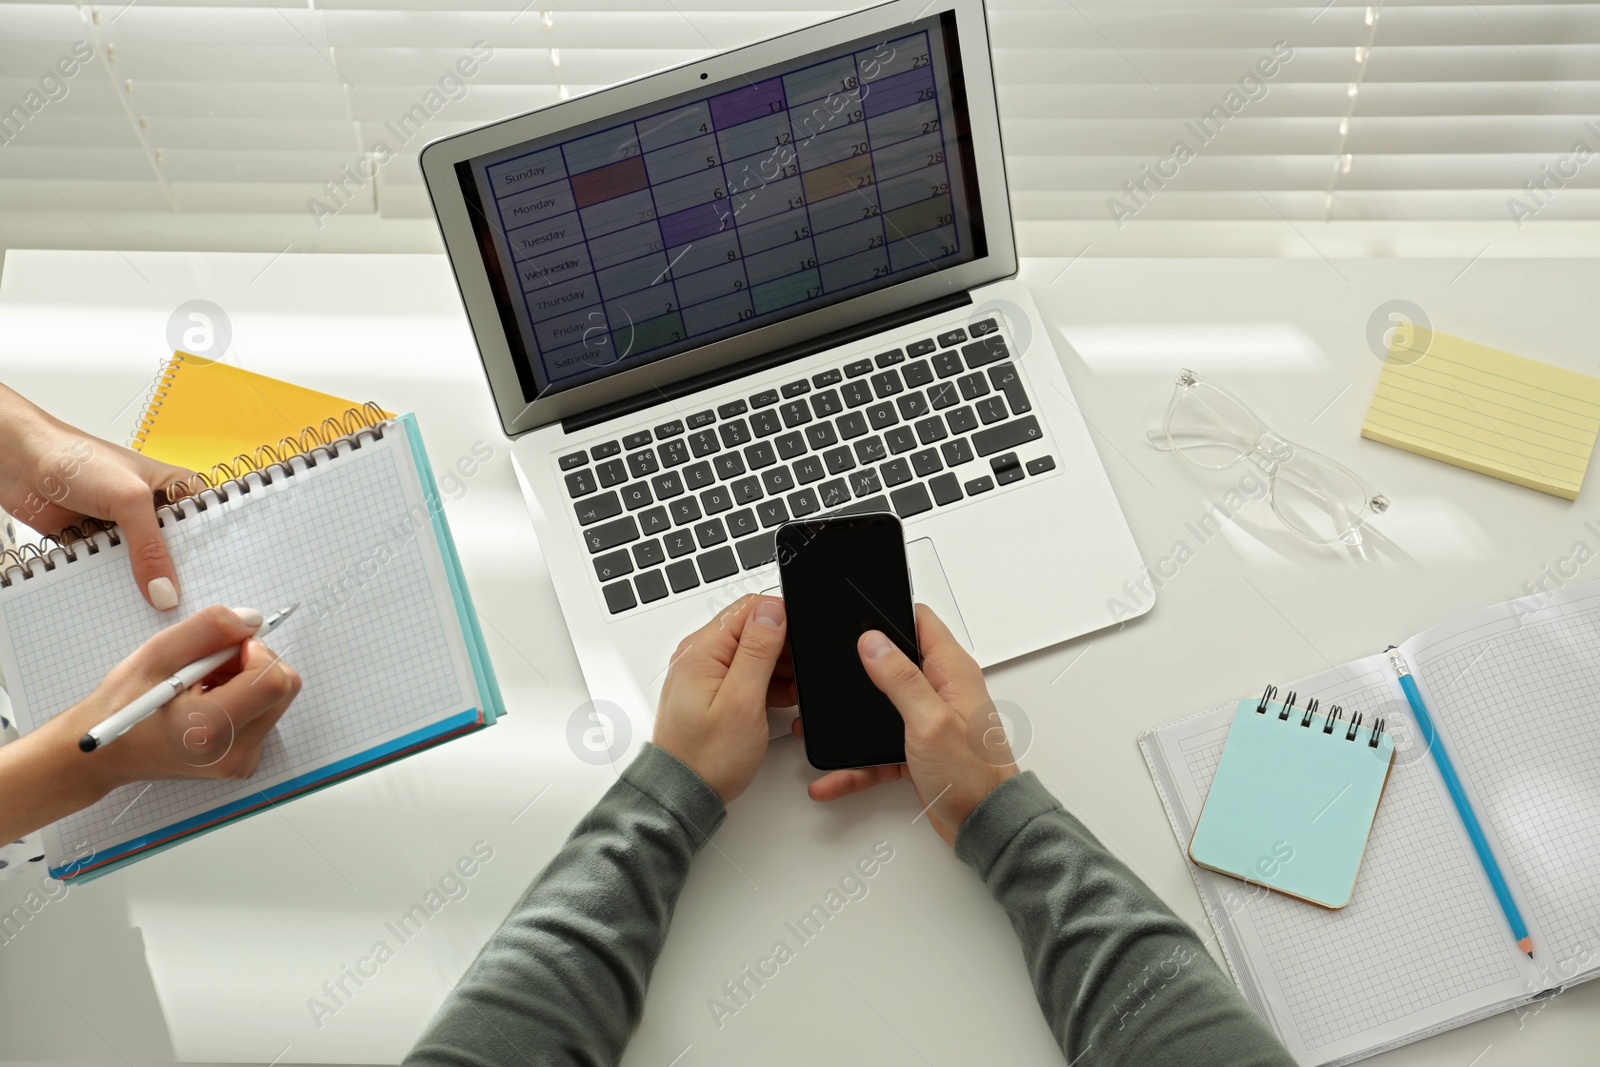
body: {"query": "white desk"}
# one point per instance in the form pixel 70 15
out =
pixel 211 951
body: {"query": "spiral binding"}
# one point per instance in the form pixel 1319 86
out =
pixel 220 484
pixel 1334 714
pixel 154 398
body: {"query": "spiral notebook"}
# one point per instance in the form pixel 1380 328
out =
pixel 386 638
pixel 1423 946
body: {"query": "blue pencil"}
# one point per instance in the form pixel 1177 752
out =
pixel 1447 771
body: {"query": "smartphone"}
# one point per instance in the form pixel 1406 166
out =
pixel 842 577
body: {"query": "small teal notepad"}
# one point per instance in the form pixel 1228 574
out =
pixel 1293 799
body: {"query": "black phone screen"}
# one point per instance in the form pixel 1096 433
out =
pixel 841 578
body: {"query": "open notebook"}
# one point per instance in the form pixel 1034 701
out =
pixel 1422 946
pixel 386 639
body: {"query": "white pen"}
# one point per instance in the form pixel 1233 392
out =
pixel 147 705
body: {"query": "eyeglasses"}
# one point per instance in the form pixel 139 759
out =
pixel 1318 498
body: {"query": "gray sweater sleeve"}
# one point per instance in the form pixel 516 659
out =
pixel 1121 979
pixel 562 981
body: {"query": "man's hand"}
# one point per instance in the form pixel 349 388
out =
pixel 956 749
pixel 724 676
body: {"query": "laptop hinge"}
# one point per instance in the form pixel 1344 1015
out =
pixel 656 394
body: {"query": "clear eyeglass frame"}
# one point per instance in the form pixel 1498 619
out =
pixel 1315 496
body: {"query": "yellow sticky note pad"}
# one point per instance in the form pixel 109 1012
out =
pixel 1488 411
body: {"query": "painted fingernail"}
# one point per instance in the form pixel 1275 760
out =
pixel 249 616
pixel 163 594
pixel 770 613
pixel 877 646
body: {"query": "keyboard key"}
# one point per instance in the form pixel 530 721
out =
pixel 791 444
pixel 809 469
pixel 742 523
pixel 580 483
pixel 851 424
pixel 917 374
pixel 1007 475
pixel 684 511
pixel 973 386
pixel 734 433
pixel 653 521
pixel 979 485
pixel 1042 464
pixel 698 475
pixel 760 454
pixel 912 406
pixel 795 412
pixel 731 408
pixel 828 403
pixel 619 596
pixel 746 491
pixel 961 420
pixel 636 440
pixel 956 452
pixel 889 359
pixel 982 327
pixel 1006 379
pixel 794 389
pixel 947 364
pixel 882 416
pixel 931 429
pixel 609 535
pixel 701 418
pixel 946 489
pixel 710 533
pixel 943 395
pixel 649 554
pixel 651 586
pixel 574 459
pixel 777 480
pixel 642 463
pixel 826 378
pixel 838 460
pixel 952 337
pixel 605 451
pixel 920 348
pixel 912 500
pixel 804 503
pixel 681 576
pixel 771 513
pixel 861 507
pixel 636 495
pixel 758 551
pixel 886 384
pixel 991 409
pixel 718 564
pixel 729 465
pixel 703 443
pixel 765 423
pixel 596 509
pixel 858 368
pixel 716 499
pixel 678 542
pixel 900 439
pixel 991 349
pixel 926 463
pixel 864 483
pixel 667 485
pixel 1007 435
pixel 895 472
pixel 764 399
pixel 611 472
pixel 669 429
pixel 820 435
pixel 856 393
pixel 870 449
pixel 833 493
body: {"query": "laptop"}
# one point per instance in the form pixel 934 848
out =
pixel 774 284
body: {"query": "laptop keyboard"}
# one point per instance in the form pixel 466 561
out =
pixel 699 499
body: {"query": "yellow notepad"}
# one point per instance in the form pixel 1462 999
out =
pixel 202 412
pixel 1488 411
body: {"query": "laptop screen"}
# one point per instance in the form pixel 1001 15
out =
pixel 668 227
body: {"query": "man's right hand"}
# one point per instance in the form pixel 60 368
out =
pixel 956 749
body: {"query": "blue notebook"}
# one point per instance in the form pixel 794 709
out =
pixel 386 638
pixel 1294 797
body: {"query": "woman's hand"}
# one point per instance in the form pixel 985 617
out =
pixel 53 476
pixel 956 748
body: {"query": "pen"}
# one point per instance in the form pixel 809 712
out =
pixel 1447 771
pixel 147 705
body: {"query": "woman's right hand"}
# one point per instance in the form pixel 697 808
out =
pixel 956 748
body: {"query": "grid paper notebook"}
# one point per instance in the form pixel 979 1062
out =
pixel 385 639
pixel 1422 947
